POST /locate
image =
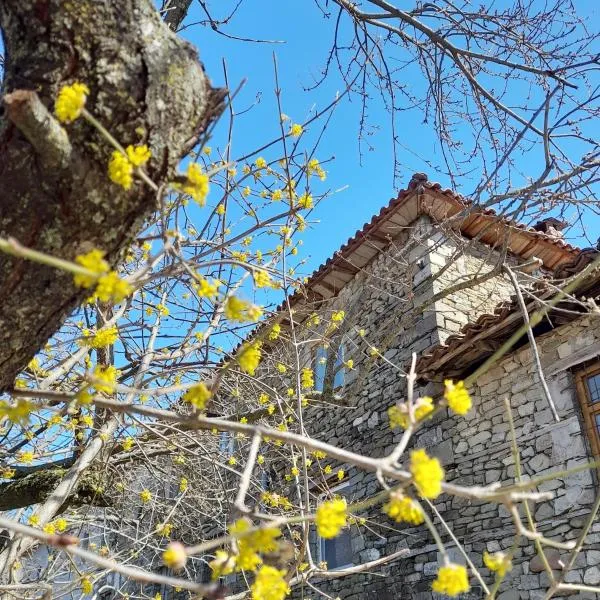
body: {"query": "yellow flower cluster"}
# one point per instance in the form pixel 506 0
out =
pixel 399 415
pixel 240 310
pixel 107 336
pixel 87 587
pixel 270 584
pixel 18 412
pixel 145 496
pixel 164 529
pixel 70 102
pixel 457 397
pixel 105 378
pixel 307 378
pixel 198 395
pixel 127 444
pixel 499 562
pixel 314 168
pixel 338 316
pixel 261 278
pixel 249 358
pixel 250 543
pixel 197 185
pixel 276 501
pixel 451 580
pixel 296 130
pixel 109 286
pixel 331 518
pixel 205 288
pixel 275 331
pixel 305 201
pixel 121 166
pixel 403 509
pixel 175 556
pixel 427 474
pixel 183 485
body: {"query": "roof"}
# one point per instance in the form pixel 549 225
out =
pixel 423 197
pixel 476 341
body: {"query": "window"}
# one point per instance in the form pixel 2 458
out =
pixel 337 552
pixel 321 368
pixel 588 390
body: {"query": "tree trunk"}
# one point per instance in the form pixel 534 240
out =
pixel 147 86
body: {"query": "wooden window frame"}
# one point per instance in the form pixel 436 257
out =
pixel 588 409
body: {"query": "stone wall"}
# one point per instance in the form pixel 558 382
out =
pixel 476 450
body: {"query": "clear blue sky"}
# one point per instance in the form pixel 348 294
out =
pixel 307 38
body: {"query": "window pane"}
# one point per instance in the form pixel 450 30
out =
pixel 593 384
pixel 338 380
pixel 597 417
pixel 338 551
pixel 321 364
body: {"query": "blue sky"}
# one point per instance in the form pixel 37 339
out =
pixel 366 177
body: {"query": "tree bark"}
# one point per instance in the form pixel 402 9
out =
pixel 146 86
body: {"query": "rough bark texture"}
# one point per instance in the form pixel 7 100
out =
pixel 147 86
pixel 36 487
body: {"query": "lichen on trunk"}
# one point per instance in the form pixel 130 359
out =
pixel 147 86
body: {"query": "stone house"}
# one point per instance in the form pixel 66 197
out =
pixel 426 276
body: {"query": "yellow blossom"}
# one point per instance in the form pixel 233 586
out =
pixel 105 378
pixel 145 496
pixel 263 398
pixel 197 184
pixel 296 130
pixel 205 288
pixel 249 357
pixel 107 336
pixel 260 459
pixel 399 414
pixel 207 150
pixel 70 102
pixel 17 412
pixel 127 444
pixel 271 409
pixel 261 278
pixel 275 331
pixel 26 457
pixel 120 170
pixel 7 473
pixel 307 378
pixel 164 529
pixel 198 395
pixel 457 397
pixel 87 587
pixel 331 517
pixel 240 310
pixel 138 155
pixel 111 288
pixel 223 564
pixel 174 556
pixel 499 562
pixel 232 461
pixel 305 201
pixel 92 261
pixel 281 368
pixel 220 210
pixel 276 195
pixel 338 316
pixel 427 474
pixel 340 474
pixel 61 524
pixel 401 508
pixel 260 163
pixel 452 580
pixel 49 528
pixel 319 454
pixel 34 520
pixel 269 584
pixel 183 485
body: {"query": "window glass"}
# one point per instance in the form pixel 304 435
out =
pixel 337 552
pixel 593 384
pixel 320 366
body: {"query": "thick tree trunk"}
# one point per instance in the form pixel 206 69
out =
pixel 147 86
